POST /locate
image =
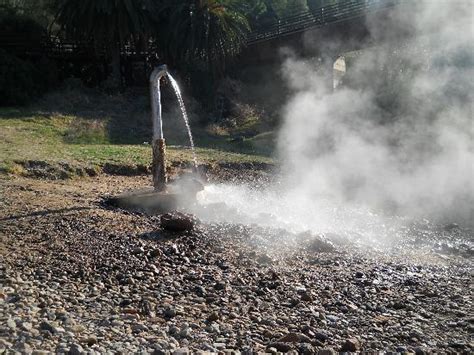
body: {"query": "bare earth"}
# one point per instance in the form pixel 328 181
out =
pixel 80 278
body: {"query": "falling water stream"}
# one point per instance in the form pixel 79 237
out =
pixel 177 91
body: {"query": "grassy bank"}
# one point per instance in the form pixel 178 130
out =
pixel 30 135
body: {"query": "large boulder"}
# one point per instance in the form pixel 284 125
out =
pixel 178 221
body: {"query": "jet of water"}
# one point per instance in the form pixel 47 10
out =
pixel 177 91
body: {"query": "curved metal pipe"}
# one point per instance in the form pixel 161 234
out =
pixel 155 77
pixel 158 142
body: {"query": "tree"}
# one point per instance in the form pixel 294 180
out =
pixel 202 32
pixel 41 11
pixel 107 23
pixel 254 9
pixel 284 8
pixel 315 5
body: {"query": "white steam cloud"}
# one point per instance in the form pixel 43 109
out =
pixel 394 143
pixel 399 134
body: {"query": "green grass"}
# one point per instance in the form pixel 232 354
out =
pixel 29 135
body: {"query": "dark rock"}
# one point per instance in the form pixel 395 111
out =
pixel 146 308
pixel 321 336
pixel 92 340
pixel 177 222
pixel 306 296
pixel 220 285
pixel 76 349
pixel 290 338
pixel 264 259
pixel 213 317
pixel 126 302
pixel 327 351
pixel 283 347
pixel 138 250
pixel 306 349
pixel 155 253
pixel 351 344
pixel 48 327
pixel 169 312
pixel 200 291
pixel 319 244
pixel 421 351
pixel 451 227
pixel 294 338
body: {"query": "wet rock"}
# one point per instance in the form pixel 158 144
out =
pixel 264 259
pixel 177 222
pixel 320 244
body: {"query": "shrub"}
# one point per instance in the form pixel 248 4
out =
pixel 22 77
pixel 18 80
pixel 20 31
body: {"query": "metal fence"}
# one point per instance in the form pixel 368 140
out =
pixel 301 21
pixel 293 23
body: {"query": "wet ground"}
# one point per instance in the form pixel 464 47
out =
pixel 77 277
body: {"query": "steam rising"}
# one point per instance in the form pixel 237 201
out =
pixel 403 139
pixel 396 139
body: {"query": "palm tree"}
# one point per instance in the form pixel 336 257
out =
pixel 198 32
pixel 108 24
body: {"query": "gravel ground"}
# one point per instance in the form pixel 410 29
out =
pixel 79 278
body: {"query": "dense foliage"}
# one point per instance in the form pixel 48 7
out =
pixel 22 76
pixel 21 80
pixel 196 37
pixel 202 32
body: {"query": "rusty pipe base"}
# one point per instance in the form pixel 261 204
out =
pixel 160 179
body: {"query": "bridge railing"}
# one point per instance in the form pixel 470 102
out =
pixel 326 15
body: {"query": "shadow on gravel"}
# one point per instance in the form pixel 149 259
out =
pixel 45 213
